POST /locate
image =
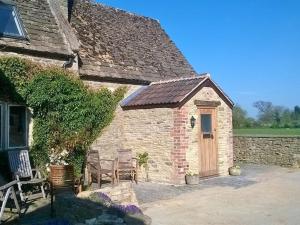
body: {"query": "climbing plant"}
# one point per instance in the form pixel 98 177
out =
pixel 67 115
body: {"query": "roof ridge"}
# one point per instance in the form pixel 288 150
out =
pixel 121 10
pixel 201 76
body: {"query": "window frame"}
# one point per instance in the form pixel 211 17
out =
pixel 18 21
pixel 2 126
pixel 7 127
pixel 210 124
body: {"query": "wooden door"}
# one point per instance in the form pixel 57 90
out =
pixel 208 147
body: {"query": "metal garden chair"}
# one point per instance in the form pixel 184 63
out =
pixel 21 169
pixel 7 192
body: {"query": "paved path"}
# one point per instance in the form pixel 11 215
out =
pixel 263 195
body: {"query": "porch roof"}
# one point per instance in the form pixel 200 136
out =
pixel 171 92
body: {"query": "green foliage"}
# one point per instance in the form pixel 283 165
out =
pixel 269 116
pixel 240 118
pixel 143 159
pixel 67 115
pixel 267 132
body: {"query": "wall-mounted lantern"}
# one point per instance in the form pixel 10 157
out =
pixel 193 120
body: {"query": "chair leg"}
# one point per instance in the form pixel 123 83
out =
pixel 43 191
pixel 99 180
pixel 13 193
pixel 132 175
pixel 118 177
pixel 8 192
pixel 21 192
pixel 136 177
pixel 113 179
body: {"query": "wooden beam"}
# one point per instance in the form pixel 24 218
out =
pixel 207 103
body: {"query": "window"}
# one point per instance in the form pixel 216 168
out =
pixel 206 126
pixel 1 126
pixel 17 126
pixel 10 23
pixel 13 126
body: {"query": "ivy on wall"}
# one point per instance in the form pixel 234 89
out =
pixel 67 115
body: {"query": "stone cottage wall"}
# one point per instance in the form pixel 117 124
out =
pixel 224 132
pixel 149 130
pixel 141 130
pixel 111 138
pixel 282 151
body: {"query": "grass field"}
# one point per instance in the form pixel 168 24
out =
pixel 267 132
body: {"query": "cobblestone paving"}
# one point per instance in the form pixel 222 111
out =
pixel 147 192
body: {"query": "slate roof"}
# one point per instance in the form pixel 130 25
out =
pixel 166 92
pixel 119 45
pixel 43 31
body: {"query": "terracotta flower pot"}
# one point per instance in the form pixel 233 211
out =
pixel 192 179
pixel 234 171
pixel 62 175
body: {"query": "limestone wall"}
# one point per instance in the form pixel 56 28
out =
pixel 112 137
pixel 283 151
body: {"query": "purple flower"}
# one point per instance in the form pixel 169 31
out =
pixel 104 198
pixel 133 209
pixel 125 209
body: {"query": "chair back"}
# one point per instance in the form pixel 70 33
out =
pixel 92 160
pixel 19 163
pixel 125 158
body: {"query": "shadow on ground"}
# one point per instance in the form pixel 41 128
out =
pixel 69 210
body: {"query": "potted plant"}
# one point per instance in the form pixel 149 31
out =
pixel 235 170
pixel 61 173
pixel 142 159
pixel 191 178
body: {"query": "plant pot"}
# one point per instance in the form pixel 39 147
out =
pixel 62 175
pixel 192 179
pixel 143 174
pixel 233 171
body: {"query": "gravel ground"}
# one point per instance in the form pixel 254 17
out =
pixel 267 195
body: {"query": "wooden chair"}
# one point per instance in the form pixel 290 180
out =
pixel 21 169
pixel 101 168
pixel 127 165
pixel 7 192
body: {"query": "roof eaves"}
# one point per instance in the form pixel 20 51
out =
pixel 223 93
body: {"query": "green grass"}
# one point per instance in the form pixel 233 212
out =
pixel 267 132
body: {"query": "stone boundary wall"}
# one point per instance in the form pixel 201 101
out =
pixel 282 151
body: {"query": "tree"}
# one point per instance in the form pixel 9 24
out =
pixel 239 116
pixel 297 112
pixel 265 112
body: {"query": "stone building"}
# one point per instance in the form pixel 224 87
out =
pixel 108 47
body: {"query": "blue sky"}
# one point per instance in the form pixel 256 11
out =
pixel 251 48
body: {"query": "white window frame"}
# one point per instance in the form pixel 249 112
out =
pixel 7 127
pixel 18 22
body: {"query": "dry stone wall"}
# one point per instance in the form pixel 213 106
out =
pixel 282 151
